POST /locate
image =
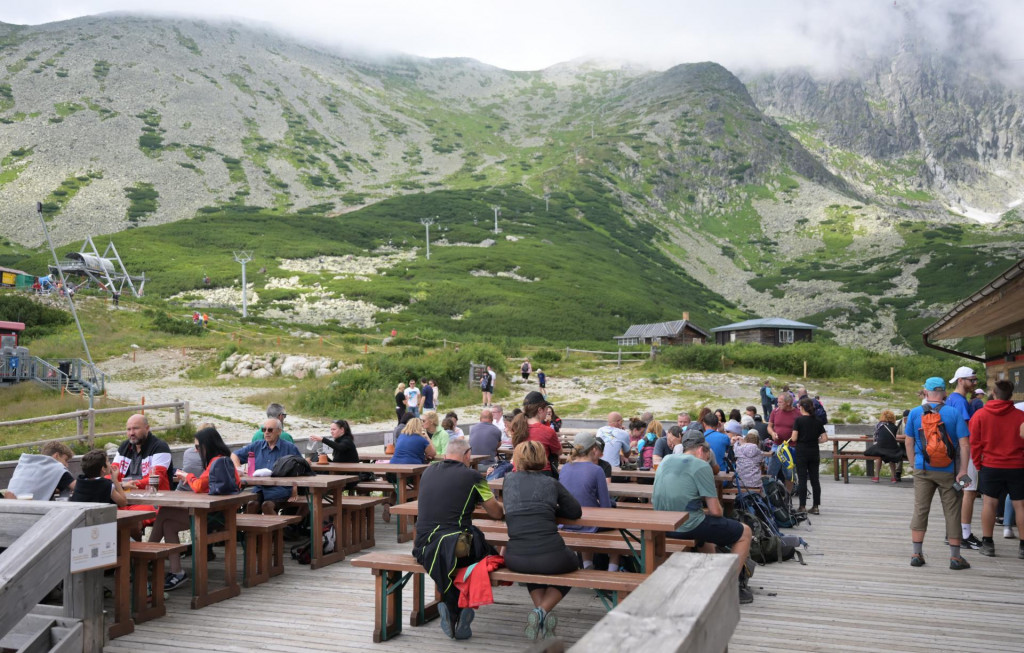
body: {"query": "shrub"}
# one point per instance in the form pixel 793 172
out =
pixel 547 357
pixel 176 326
pixel 39 320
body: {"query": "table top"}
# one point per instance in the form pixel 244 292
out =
pixel 355 468
pixel 858 438
pixel 633 490
pixel 651 520
pixel 329 481
pixel 475 459
pixel 131 516
pixel 198 500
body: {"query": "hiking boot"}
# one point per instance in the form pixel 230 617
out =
pixel 956 564
pixel 917 560
pixel 971 542
pixel 446 620
pixel 987 548
pixel 534 624
pixel 550 623
pixel 174 581
pixel 746 596
pixel 462 630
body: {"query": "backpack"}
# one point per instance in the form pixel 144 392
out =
pixel 525 368
pixel 779 504
pixel 222 476
pixel 303 552
pixel 785 456
pixel 936 447
pixel 819 412
pixel 292 466
pixel 767 544
pixel 484 381
pixel 764 395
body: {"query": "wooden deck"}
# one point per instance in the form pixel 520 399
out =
pixel 857 593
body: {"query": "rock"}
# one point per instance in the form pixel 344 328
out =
pixel 261 373
pixel 323 371
pixel 244 373
pixel 291 364
pixel 299 373
pixel 225 377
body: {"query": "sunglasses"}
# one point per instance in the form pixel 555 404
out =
pixel 265 429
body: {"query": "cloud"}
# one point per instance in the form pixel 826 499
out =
pixel 826 35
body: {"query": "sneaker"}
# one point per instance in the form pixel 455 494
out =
pixel 894 481
pixel 462 630
pixel 550 623
pixel 746 596
pixel 971 542
pixel 956 564
pixel 917 560
pixel 446 620
pixel 1008 532
pixel 534 624
pixel 987 548
pixel 999 520
pixel 875 479
pixel 174 581
pixel 814 511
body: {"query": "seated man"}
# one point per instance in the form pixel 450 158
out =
pixel 449 491
pixel 275 411
pixel 43 475
pixel 268 451
pixel 485 438
pixel 682 483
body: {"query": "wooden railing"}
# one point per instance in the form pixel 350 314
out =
pixel 617 354
pixel 37 535
pixel 86 422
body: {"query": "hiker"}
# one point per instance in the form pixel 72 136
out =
pixel 886 446
pixel 808 433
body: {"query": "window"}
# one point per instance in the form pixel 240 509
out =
pixel 786 336
pixel 1014 344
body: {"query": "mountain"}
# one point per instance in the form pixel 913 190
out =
pixel 821 199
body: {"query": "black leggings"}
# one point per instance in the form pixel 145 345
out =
pixel 556 562
pixel 806 463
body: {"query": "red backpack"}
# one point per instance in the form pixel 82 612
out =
pixel 936 447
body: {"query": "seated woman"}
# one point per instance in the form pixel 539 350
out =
pixel 171 521
pixel 887 446
pixel 585 481
pixel 645 448
pixel 340 442
pixel 413 446
pixel 533 501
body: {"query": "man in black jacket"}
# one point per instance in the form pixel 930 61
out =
pixel 449 492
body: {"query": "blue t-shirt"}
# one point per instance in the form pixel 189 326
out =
pixel 718 442
pixel 956 428
pixel 409 449
pixel 428 397
pixel 959 402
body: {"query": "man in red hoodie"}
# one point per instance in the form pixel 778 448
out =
pixel 997 448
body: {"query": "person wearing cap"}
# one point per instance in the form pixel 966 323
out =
pixel 686 483
pixel 978 401
pixel 586 482
pixel 966 381
pixel 616 441
pixel 535 409
pixel 930 478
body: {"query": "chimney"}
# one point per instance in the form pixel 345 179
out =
pixel 686 316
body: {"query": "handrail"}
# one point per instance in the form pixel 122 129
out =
pixel 38 559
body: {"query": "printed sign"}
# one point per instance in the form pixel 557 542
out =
pixel 93 547
pixel 830 430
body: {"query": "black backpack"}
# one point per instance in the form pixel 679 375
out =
pixel 819 412
pixel 780 504
pixel 222 477
pixel 767 544
pixel 302 553
pixel 292 466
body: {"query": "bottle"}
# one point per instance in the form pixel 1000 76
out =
pixel 154 481
pixel 252 464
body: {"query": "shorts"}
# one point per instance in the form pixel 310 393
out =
pixel 973 473
pixel 926 483
pixel 994 481
pixel 717 530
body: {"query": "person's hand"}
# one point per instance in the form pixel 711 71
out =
pixel 180 474
pixel 316 438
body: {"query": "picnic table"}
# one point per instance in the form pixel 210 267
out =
pixel 320 487
pixel 653 526
pixel 630 490
pixel 127 521
pixel 199 506
pixel 474 459
pixel 841 458
pixel 406 485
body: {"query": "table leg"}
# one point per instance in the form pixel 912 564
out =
pixel 405 494
pixel 649 549
pixel 333 513
pixel 835 460
pixel 202 595
pixel 123 623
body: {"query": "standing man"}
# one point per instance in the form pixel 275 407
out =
pixel 768 400
pixel 485 438
pixel 412 398
pixel 935 435
pixel 449 491
pixel 268 451
pixel 966 381
pixel 616 441
pixel 274 411
pixel 142 455
pixel 997 448
pixel 780 427
pixel 542 381
pixel 426 396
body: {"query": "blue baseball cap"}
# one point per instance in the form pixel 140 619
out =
pixel 935 383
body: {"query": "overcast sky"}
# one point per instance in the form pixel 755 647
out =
pixel 533 34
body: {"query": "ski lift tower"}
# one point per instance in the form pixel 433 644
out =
pixel 107 271
pixel 243 257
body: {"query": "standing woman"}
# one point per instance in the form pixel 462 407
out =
pixel 807 434
pixel 400 401
pixel 533 501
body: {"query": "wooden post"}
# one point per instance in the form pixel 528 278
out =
pixel 182 351
pixel 805 369
pixel 133 355
pixel 92 426
pixel 78 426
pixel 566 353
pixel 188 412
pixel 177 412
pixel 321 341
pixel 892 375
pixel 619 364
pixel 279 341
pixel 143 404
pixel 366 348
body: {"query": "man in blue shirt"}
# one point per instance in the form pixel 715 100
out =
pixel 268 451
pixel 928 477
pixel 718 441
pixel 966 381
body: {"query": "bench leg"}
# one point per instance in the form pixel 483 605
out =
pixel 422 612
pixel 149 605
pixel 277 558
pixel 609 598
pixel 387 618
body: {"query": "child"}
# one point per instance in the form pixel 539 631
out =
pixel 748 461
pixel 92 487
pixel 44 474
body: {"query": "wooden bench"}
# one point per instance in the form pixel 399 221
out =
pixel 357 516
pixel 148 603
pixel 264 545
pixel 384 487
pixel 393 570
pixel 842 459
pixel 609 542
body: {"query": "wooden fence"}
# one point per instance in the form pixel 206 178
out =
pixel 618 355
pixel 86 422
